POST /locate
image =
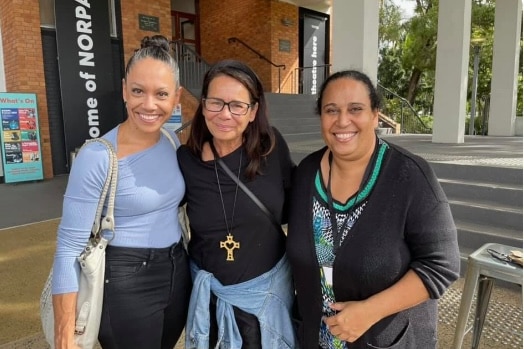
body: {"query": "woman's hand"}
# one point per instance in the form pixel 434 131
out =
pixel 352 320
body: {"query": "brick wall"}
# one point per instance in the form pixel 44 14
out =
pixel 131 34
pixel 283 11
pixel 23 62
pixel 258 24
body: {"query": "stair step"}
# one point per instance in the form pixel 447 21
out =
pixel 489 207
pixel 480 174
pixel 502 216
pixel 473 236
pixel 483 193
pixel 467 230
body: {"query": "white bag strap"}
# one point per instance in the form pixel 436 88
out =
pixel 108 222
pixel 171 139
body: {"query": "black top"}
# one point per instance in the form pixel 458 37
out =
pixel 261 245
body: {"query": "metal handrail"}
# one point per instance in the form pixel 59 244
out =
pixel 260 55
pixel 413 125
pixel 191 65
pixel 301 79
pixel 184 126
pixel 192 68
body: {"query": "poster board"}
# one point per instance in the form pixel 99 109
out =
pixel 20 137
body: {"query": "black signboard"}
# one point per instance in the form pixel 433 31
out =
pixel 314 53
pixel 89 100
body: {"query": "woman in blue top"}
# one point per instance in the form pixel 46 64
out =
pixel 147 284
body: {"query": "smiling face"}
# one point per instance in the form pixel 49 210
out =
pixel 227 128
pixel 150 93
pixel 347 120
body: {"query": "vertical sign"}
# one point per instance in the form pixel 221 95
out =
pixel 20 137
pixel 314 53
pixel 89 98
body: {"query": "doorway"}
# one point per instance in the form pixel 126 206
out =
pixel 313 50
pixel 185 29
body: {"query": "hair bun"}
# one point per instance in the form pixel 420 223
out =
pixel 155 41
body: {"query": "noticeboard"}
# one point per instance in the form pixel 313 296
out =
pixel 20 137
pixel 148 23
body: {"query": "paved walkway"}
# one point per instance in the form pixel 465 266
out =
pixel 27 247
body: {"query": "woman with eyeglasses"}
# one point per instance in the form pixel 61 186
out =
pixel 243 293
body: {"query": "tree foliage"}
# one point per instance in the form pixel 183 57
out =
pixel 407 51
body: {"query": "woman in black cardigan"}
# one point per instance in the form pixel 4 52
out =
pixel 373 281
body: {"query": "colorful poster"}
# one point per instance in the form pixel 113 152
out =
pixel 20 138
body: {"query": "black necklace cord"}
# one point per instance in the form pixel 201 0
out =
pixel 216 156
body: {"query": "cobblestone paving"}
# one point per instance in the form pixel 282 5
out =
pixel 503 325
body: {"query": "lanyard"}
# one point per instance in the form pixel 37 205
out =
pixel 337 235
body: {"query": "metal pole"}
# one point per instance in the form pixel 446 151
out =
pixel 476 50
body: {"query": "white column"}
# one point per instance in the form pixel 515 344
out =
pixel 506 47
pixel 355 36
pixel 451 74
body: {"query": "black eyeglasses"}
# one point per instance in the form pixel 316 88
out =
pixel 235 108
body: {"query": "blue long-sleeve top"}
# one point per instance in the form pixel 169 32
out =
pixel 267 296
pixel 149 189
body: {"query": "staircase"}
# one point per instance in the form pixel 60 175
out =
pixel 486 203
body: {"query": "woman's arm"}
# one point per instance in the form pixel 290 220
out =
pixel 79 209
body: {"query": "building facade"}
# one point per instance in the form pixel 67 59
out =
pixel 44 41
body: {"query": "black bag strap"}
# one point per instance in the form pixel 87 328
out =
pixel 245 189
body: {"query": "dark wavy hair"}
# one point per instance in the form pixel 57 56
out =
pixel 258 139
pixel 156 47
pixel 374 96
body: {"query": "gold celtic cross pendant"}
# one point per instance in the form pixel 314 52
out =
pixel 230 244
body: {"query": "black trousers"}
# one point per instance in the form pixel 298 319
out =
pixel 146 297
pixel 248 326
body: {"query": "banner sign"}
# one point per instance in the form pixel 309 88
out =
pixel 20 137
pixel 89 98
pixel 314 53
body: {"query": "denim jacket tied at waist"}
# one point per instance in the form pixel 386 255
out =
pixel 269 297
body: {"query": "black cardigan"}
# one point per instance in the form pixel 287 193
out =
pixel 406 224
